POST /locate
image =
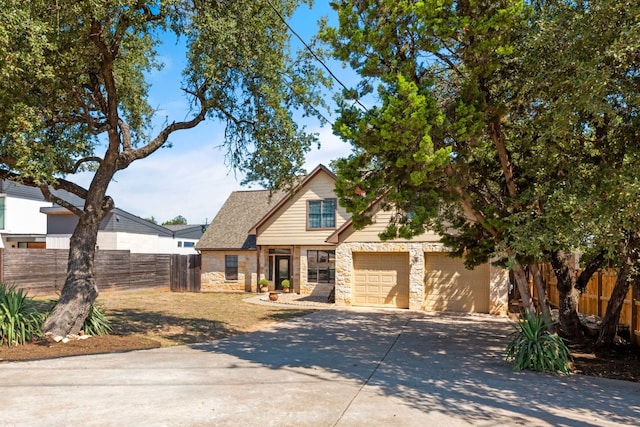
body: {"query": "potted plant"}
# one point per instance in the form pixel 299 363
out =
pixel 264 285
pixel 286 285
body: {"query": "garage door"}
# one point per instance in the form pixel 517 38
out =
pixel 381 279
pixel 449 286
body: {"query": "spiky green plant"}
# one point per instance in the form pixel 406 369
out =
pixel 536 348
pixel 20 321
pixel 96 322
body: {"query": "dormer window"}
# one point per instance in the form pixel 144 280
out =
pixel 321 214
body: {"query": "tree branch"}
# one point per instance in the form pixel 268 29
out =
pixel 129 155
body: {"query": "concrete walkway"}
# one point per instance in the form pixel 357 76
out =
pixel 330 368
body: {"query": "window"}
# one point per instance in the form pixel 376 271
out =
pixel 321 266
pixel 322 213
pixel 189 244
pixel 231 267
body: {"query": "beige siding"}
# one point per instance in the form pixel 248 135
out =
pixel 380 221
pixel 288 226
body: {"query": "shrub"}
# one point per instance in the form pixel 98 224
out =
pixel 263 282
pixel 20 321
pixel 535 348
pixel 96 323
pixel 286 283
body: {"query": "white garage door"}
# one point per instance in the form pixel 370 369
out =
pixel 381 279
pixel 449 286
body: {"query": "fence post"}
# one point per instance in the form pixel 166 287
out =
pixel 599 295
pixel 635 339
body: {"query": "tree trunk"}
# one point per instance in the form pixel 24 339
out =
pixel 80 290
pixel 543 302
pixel 611 318
pixel 627 274
pixel 570 324
pixel 523 288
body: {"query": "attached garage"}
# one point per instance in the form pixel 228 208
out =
pixel 450 286
pixel 381 279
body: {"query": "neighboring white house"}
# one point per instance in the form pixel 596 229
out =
pixel 27 220
pixel 121 230
pixel 21 223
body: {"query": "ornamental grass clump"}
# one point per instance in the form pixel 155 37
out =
pixel 96 323
pixel 536 348
pixel 20 321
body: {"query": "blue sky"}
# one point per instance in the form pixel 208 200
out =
pixel 191 178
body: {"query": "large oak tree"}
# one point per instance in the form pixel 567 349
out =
pixel 73 96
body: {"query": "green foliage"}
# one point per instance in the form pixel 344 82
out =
pixel 74 74
pixel 551 86
pixel 286 283
pixel 535 348
pixel 263 282
pixel 152 220
pixel 96 322
pixel 178 220
pixel 20 321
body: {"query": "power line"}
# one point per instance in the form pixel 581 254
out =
pixel 316 57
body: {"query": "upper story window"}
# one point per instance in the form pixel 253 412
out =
pixel 321 213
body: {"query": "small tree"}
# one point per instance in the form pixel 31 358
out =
pixel 178 220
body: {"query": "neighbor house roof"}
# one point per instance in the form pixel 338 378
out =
pixel 240 212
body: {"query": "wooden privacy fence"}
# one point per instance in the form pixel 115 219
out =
pixel 596 296
pixel 185 273
pixel 43 271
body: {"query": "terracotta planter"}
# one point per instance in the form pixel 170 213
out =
pixel 286 290
pixel 264 288
pixel 273 296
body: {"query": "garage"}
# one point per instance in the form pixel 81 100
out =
pixel 381 279
pixel 449 286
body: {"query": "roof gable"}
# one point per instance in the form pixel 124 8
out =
pixel 277 208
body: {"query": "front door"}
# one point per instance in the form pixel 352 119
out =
pixel 282 270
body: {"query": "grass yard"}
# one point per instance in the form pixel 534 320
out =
pixel 160 318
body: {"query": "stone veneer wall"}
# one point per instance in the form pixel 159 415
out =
pixel 212 275
pixel 344 272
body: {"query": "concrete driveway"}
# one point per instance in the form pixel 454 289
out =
pixel 330 368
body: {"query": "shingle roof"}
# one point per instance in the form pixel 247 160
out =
pixel 240 212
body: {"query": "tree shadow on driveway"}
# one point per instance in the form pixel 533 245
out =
pixel 434 364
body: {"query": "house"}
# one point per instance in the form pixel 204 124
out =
pixel 307 237
pixel 21 223
pixel 121 230
pixel 187 235
pixel 229 252
pixel 27 220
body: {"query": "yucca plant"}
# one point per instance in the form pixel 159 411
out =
pixel 20 321
pixel 536 348
pixel 96 322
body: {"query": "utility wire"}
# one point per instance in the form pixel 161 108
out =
pixel 316 57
